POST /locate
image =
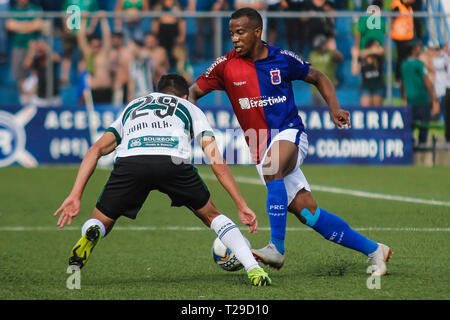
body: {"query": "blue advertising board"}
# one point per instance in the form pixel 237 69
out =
pixel 378 136
pixel 31 136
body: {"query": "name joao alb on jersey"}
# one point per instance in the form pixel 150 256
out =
pixel 153 125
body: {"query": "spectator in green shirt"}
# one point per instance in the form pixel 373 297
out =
pixel 417 90
pixel 326 60
pixel 24 30
pixel 369 29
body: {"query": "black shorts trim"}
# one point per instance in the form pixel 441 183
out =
pixel 133 178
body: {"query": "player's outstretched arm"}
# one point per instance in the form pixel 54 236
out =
pixel 223 174
pixel 71 205
pixel 195 93
pixel 339 116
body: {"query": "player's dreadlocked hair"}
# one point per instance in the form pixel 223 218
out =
pixel 250 13
pixel 173 84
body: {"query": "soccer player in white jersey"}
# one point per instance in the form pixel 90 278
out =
pixel 152 138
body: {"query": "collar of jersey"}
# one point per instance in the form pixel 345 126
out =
pixel 271 53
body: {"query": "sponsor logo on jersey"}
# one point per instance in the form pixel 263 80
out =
pixel 134 143
pixel 240 83
pixel 215 64
pixel 247 103
pixel 293 55
pixel 275 76
pixel 153 142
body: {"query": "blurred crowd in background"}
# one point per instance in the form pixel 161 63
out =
pixel 123 58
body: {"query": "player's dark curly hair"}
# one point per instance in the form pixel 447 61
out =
pixel 173 84
pixel 250 13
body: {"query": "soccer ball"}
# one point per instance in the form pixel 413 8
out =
pixel 224 257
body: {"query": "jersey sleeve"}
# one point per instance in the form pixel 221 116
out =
pixel 117 129
pixel 213 78
pixel 422 70
pixel 201 126
pixel 298 68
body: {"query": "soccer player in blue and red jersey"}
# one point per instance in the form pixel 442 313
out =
pixel 258 79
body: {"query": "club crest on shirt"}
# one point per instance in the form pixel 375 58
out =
pixel 275 76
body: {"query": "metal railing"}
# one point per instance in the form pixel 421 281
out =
pixel 219 16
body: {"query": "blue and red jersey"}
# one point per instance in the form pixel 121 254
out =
pixel 260 92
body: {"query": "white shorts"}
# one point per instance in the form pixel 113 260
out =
pixel 296 180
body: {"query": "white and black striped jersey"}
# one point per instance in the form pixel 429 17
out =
pixel 159 124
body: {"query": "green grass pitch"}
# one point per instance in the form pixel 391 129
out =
pixel 166 252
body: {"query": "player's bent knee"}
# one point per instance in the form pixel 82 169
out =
pixel 272 177
pixel 278 174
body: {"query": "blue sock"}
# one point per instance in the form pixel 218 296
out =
pixel 335 229
pixel 277 203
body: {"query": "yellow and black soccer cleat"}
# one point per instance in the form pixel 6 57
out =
pixel 83 248
pixel 259 277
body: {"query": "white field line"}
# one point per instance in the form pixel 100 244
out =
pixel 255 181
pixel 200 228
pixel 349 192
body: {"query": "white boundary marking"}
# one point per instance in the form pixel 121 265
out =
pixel 254 181
pixel 350 192
pixel 203 228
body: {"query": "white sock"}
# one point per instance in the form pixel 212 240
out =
pixel 92 222
pixel 229 233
